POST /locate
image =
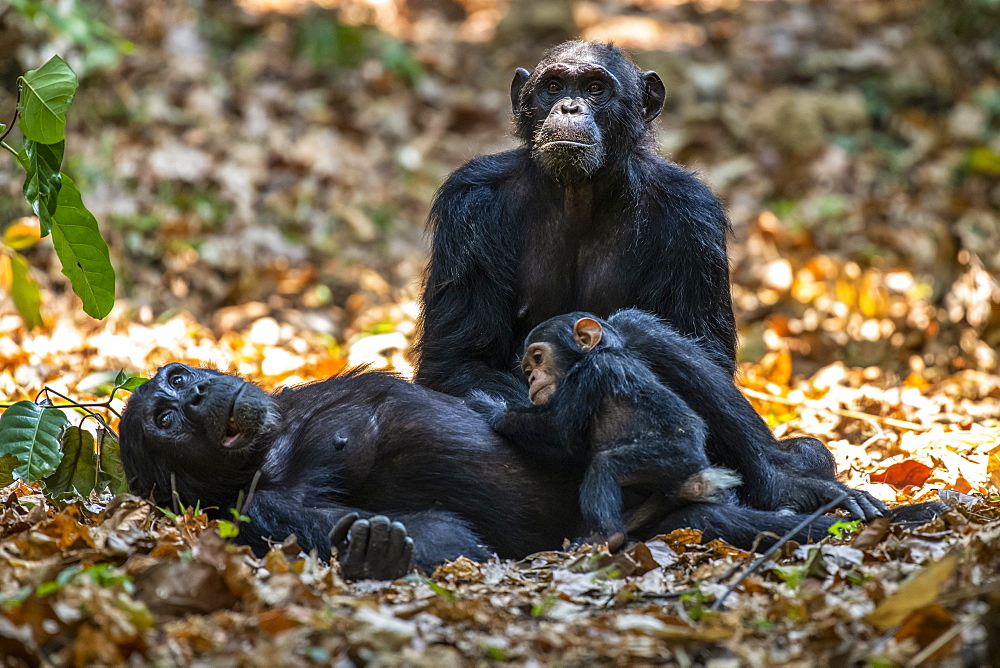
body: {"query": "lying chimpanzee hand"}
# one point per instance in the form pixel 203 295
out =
pixel 371 549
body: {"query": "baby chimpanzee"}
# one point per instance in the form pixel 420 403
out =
pixel 595 403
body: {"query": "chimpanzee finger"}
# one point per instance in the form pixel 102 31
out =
pixel 407 556
pixel 338 534
pixel 869 505
pixel 851 505
pixel 354 561
pixel 380 561
pixel 397 541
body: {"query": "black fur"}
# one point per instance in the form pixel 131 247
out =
pixel 609 412
pixel 517 240
pixel 369 443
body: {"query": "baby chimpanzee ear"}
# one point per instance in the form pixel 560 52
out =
pixel 587 333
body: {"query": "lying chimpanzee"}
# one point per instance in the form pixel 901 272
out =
pixel 369 444
pixel 596 403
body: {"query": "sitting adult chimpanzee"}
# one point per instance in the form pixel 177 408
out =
pixel 595 403
pixel 585 216
pixel 336 455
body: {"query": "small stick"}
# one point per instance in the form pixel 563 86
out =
pixel 774 548
pixel 844 412
pixel 16 103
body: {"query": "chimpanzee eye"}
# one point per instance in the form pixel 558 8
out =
pixel 176 380
pixel 537 357
pixel 554 87
pixel 595 88
pixel 164 420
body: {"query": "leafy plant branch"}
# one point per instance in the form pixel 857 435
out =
pixel 43 98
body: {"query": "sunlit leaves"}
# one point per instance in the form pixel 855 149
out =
pixel 83 253
pixel 31 433
pixel 46 94
pixel 24 291
pixel 22 233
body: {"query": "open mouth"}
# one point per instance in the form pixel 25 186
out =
pixel 233 430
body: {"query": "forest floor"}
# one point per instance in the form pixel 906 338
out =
pixel 264 200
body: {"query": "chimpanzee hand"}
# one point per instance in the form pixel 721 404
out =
pixel 486 404
pixel 805 495
pixel 371 549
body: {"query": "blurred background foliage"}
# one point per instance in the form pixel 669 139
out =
pixel 272 161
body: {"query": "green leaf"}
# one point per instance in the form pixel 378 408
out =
pixel 112 472
pixel 42 185
pixel 228 529
pixel 8 463
pixel 129 383
pixel 133 383
pixel 77 472
pixel 46 94
pixel 31 433
pixel 24 291
pixel 82 251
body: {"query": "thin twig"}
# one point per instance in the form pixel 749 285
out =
pixel 17 108
pixel 774 548
pixel 921 657
pixel 175 498
pixel 844 412
pixel 253 488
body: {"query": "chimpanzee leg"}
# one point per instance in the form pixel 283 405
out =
pixel 670 462
pixel 738 525
pixel 601 497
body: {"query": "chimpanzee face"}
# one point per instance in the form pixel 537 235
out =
pixel 583 105
pixel 191 420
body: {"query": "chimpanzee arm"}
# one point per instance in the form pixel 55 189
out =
pixel 556 430
pixel 738 437
pixel 369 544
pixel 693 291
pixel 466 339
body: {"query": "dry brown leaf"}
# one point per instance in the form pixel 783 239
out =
pixel 918 592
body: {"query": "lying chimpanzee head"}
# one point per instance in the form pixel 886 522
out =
pixel 553 347
pixel 186 422
pixel 584 105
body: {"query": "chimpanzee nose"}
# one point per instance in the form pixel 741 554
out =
pixel 569 106
pixel 197 393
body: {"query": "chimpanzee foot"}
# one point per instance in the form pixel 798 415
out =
pixel 371 549
pixel 805 495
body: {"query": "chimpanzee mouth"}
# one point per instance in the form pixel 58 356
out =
pixel 566 143
pixel 232 433
pixel 233 430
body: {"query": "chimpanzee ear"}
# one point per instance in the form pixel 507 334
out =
pixel 520 78
pixel 653 95
pixel 587 333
